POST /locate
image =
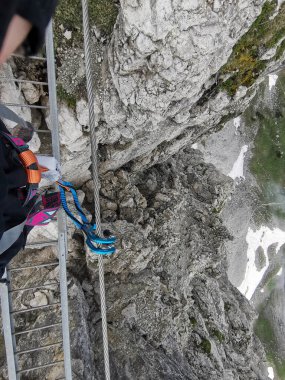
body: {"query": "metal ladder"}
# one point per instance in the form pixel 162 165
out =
pixel 36 330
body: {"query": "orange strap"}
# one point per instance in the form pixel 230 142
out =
pixel 43 169
pixel 28 158
pixel 34 176
pixel 61 185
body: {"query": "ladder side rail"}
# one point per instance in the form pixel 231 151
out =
pixel 62 228
pixel 8 328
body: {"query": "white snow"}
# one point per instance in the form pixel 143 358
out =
pixel 279 273
pixel 272 80
pixel 270 373
pixel 263 237
pixel 261 290
pixel 237 170
pixel 194 146
pixel 237 122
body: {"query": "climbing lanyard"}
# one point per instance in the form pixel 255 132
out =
pixel 93 241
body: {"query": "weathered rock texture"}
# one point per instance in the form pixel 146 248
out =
pixel 172 313
pixel 162 59
pixel 153 80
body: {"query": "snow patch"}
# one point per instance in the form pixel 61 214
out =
pixel 272 80
pixel 270 373
pixel 237 170
pixel 194 146
pixel 279 273
pixel 264 237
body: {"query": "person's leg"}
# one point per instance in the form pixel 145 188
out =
pixel 17 32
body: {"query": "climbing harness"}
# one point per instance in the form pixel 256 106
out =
pixel 29 162
pixel 93 241
pixel 41 208
pixel 26 156
pixel 44 209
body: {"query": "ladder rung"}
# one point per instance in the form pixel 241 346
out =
pixel 29 57
pixel 25 106
pixel 21 352
pixel 33 266
pixel 40 367
pixel 42 244
pixel 49 155
pixel 3 79
pixel 14 312
pixel 37 329
pixel 34 287
pixel 47 131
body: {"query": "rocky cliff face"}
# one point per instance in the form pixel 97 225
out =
pixel 162 77
pixel 171 72
pixel 172 313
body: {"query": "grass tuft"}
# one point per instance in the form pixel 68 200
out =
pixel 245 64
pixel 64 96
pixel 206 346
pixel 102 13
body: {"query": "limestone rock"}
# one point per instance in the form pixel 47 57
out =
pixel 31 93
pixel 172 312
pixel 39 300
pixel 82 112
pixel 10 93
pixel 161 57
pixel 35 143
pixel 70 130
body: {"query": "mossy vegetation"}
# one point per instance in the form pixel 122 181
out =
pixel 64 96
pixel 268 160
pixel 206 346
pixel 270 280
pixel 265 332
pixel 193 321
pixel 219 335
pixel 271 284
pixel 227 306
pixel 102 13
pixel 245 64
pixel 68 38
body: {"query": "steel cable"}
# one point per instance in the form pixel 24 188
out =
pixel 91 103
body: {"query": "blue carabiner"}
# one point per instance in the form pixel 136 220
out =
pixel 100 251
pixel 89 231
pixel 87 228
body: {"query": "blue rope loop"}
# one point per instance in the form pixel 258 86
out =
pixel 98 245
